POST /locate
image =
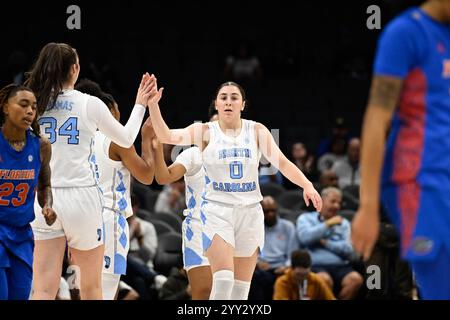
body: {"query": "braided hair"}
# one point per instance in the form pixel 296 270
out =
pixel 10 91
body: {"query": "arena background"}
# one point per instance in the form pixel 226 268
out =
pixel 316 57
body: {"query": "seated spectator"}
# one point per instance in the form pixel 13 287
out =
pixel 336 153
pixel 171 198
pixel 304 161
pixel 143 243
pixel 177 285
pixel 279 241
pixel 328 178
pixel 299 283
pixel 125 292
pixel 143 240
pixel 326 235
pixel 339 130
pixel 347 169
pixel 269 174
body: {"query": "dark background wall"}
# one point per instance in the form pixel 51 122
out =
pixel 316 55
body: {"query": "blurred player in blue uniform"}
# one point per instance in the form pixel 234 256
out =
pixel 24 168
pixel 410 95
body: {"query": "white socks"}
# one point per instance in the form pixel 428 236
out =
pixel 110 283
pixel 222 285
pixel 240 290
pixel 225 287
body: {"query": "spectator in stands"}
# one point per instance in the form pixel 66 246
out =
pixel 347 169
pixel 339 131
pixel 336 153
pixel 305 161
pixel 125 292
pixel 243 65
pixel 280 240
pixel 328 178
pixel 172 198
pixel 326 235
pixel 299 283
pixel 143 244
pixel 143 240
pixel 177 285
pixel 268 173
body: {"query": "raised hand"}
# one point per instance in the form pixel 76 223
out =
pixel 155 95
pixel 148 83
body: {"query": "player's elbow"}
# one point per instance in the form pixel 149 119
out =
pixel 145 179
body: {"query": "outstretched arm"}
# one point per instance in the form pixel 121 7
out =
pixel 164 174
pixel 273 154
pixel 192 134
pixel 44 191
pixel 141 167
pixel 384 95
pixel 102 118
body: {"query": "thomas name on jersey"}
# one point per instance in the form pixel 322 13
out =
pixel 63 105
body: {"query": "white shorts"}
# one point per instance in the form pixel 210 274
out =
pixel 192 241
pixel 240 226
pixel 79 218
pixel 117 242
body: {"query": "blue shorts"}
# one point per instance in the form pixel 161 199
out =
pixel 433 278
pixel 422 218
pixel 15 278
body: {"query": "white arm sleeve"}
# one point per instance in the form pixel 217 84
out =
pixel 101 118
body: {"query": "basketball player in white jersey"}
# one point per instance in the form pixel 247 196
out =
pixel 70 119
pixel 115 165
pixel 232 218
pixel 189 163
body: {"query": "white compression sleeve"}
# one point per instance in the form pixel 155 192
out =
pixel 240 290
pixel 102 118
pixel 222 285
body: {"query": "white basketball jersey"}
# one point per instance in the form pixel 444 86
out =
pixel 114 179
pixel 231 166
pixel 194 178
pixel 66 126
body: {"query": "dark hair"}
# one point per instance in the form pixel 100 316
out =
pixel 300 258
pixel 212 110
pixel 93 88
pixel 108 99
pixel 225 84
pixel 49 73
pixel 10 91
pixel 90 87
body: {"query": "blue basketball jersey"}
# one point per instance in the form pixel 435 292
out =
pixel 416 171
pixel 19 171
